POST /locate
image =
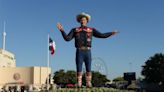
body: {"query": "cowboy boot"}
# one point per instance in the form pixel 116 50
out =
pixel 79 79
pixel 88 80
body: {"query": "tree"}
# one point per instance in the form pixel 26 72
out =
pixel 70 77
pixel 63 78
pixel 153 70
pixel 59 77
pixel 99 79
pixel 118 79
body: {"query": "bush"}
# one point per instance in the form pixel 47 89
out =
pixel 89 90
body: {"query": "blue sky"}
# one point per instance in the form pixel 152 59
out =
pixel 140 22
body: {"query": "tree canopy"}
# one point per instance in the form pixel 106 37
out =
pixel 62 77
pixel 118 79
pixel 153 70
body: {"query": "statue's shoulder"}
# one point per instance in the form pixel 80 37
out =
pixel 89 29
pixel 78 29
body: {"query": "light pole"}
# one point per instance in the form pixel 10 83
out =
pixel 130 66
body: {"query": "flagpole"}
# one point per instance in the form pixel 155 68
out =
pixel 48 63
pixel 4 36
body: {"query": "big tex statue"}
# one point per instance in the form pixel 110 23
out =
pixel 83 39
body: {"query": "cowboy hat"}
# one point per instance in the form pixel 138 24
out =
pixel 81 15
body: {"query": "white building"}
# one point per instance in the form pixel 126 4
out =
pixel 7 59
pixel 19 78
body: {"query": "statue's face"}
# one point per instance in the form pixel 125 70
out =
pixel 83 21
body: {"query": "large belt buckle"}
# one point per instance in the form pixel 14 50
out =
pixel 88 48
pixel 85 48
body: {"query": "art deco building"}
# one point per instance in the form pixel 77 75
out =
pixel 20 78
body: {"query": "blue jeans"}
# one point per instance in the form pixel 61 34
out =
pixel 83 56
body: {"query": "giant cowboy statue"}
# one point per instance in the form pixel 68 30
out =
pixel 83 39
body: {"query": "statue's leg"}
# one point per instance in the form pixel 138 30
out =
pixel 88 79
pixel 79 64
pixel 79 79
pixel 88 69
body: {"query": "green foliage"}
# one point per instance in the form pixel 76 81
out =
pixel 62 78
pixel 99 79
pixel 71 77
pixel 59 77
pixel 153 70
pixel 90 90
pixel 118 79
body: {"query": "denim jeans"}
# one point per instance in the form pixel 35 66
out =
pixel 83 56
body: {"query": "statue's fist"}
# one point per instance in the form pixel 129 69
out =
pixel 59 26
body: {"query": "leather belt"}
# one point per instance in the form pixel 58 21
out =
pixel 84 48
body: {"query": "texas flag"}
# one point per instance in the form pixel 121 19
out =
pixel 52 46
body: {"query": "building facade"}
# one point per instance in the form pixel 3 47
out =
pixel 18 77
